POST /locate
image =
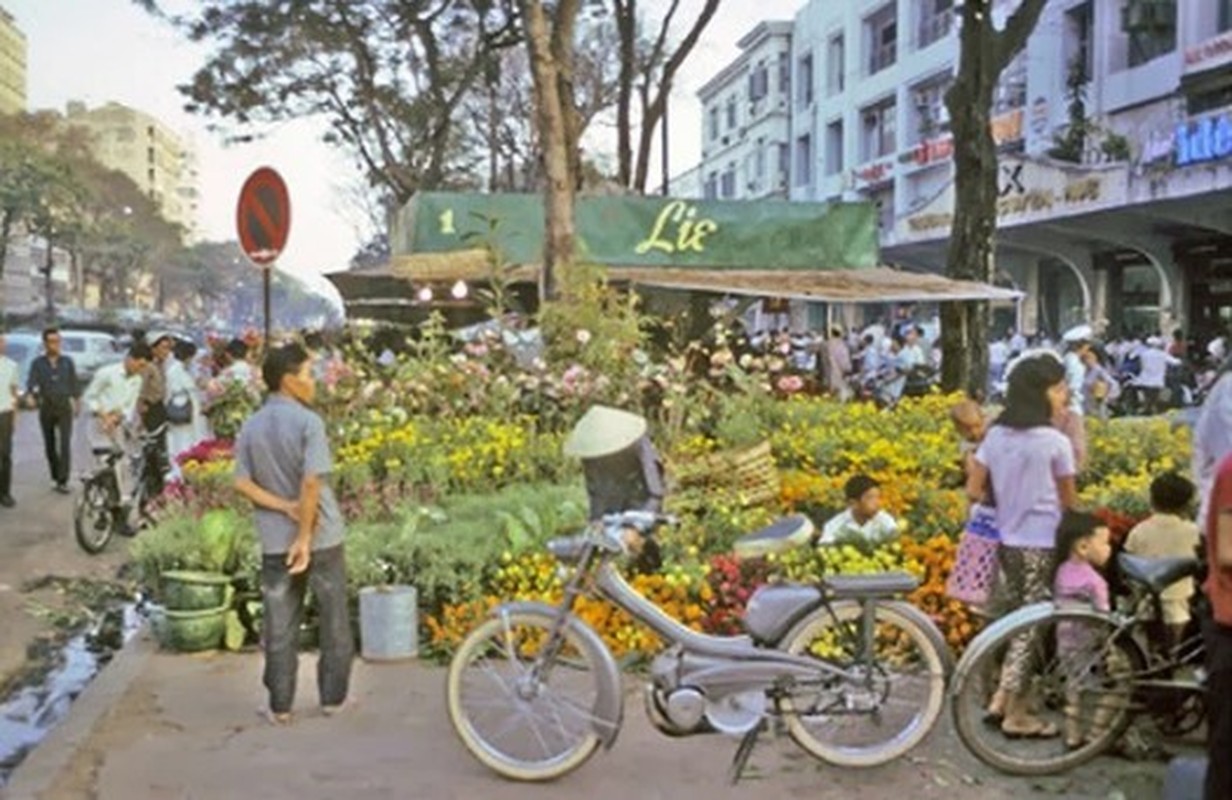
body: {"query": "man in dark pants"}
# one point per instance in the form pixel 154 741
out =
pixel 152 406
pixel 1217 633
pixel 9 387
pixel 282 465
pixel 53 385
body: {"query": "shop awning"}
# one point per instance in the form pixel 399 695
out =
pixel 877 285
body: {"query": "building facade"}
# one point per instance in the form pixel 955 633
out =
pixel 157 159
pixel 12 65
pixel 1115 209
pixel 746 120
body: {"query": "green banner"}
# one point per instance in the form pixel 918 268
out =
pixel 637 231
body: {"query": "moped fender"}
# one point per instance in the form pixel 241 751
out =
pixel 608 712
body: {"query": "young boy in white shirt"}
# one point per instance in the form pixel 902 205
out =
pixel 864 518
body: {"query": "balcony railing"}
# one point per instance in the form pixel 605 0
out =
pixel 882 57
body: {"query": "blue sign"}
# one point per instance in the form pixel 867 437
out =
pixel 1207 140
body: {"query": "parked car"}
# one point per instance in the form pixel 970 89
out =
pixel 23 348
pixel 90 350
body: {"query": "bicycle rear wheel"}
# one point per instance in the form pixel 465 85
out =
pixel 1081 669
pixel 892 700
pixel 94 513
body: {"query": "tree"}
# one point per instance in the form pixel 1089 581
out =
pixel 984 53
pixel 389 77
pixel 549 42
pixel 647 66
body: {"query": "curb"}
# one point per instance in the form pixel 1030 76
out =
pixel 39 770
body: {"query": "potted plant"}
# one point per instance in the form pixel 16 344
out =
pixel 378 556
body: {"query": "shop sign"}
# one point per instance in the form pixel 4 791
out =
pixel 1006 128
pixel 1209 139
pixel 1027 191
pixel 1209 54
pixel 873 174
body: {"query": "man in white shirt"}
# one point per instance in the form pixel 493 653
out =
pixel 864 518
pixel 9 383
pixel 112 397
pixel 1152 375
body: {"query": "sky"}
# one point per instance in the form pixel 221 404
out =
pixel 111 50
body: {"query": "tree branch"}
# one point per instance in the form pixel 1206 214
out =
pixel 1018 28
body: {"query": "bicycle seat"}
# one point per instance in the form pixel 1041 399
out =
pixel 1156 574
pixel 880 584
pixel 777 537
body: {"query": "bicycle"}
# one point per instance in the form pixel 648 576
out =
pixel 104 508
pixel 1091 689
pixel 855 676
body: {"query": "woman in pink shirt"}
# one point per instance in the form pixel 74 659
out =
pixel 1025 468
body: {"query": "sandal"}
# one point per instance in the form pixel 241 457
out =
pixel 1038 729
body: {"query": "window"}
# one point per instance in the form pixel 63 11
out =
pixel 834 147
pixel 731 112
pixel 149 154
pixel 929 112
pixel 804 80
pixel 1079 22
pixel 878 125
pixel 1012 87
pixel 882 37
pixel 936 21
pixel 728 188
pixel 1151 25
pixel 785 73
pixel 759 161
pixel 784 162
pixel 150 174
pixel 1225 15
pixel 835 64
pixel 711 190
pixel 759 82
pixel 714 122
pixel 804 160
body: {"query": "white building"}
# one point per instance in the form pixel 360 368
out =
pixel 1131 224
pixel 746 119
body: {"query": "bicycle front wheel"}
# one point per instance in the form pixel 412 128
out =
pixel 892 697
pixel 94 513
pixel 523 722
pixel 1080 669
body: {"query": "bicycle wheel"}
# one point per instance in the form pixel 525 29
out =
pixel 521 727
pixel 892 703
pixel 94 515
pixel 1082 670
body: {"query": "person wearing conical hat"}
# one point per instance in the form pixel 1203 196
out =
pixel 623 471
pixel 622 468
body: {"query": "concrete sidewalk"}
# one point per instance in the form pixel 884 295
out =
pixel 157 726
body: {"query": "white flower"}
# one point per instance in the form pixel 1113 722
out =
pixel 583 336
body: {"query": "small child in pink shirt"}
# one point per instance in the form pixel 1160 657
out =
pixel 1083 546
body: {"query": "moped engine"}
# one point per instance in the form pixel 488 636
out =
pixel 676 712
pixel 737 714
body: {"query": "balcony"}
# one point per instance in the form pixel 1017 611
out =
pixel 935 28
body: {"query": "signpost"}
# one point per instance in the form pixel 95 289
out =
pixel 263 221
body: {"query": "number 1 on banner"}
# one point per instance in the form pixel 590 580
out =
pixel 447 228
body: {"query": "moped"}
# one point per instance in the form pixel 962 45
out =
pixel 855 677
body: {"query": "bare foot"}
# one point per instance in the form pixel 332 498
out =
pixel 274 718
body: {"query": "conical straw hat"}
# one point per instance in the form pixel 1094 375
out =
pixel 603 431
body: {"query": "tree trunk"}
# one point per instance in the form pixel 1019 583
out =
pixel 49 286
pixel 985 52
pixel 6 229
pixel 626 25
pixel 549 61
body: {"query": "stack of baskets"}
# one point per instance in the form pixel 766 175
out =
pixel 193 614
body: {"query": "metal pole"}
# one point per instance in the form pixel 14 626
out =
pixel 265 280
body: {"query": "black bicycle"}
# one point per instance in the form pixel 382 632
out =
pixel 119 488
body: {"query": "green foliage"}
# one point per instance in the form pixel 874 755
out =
pixel 223 541
pixel 446 552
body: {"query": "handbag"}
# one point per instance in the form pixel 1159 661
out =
pixel 180 408
pixel 975 564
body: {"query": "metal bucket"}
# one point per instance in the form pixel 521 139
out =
pixel 388 623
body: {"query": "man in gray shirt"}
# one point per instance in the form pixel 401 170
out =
pixel 282 465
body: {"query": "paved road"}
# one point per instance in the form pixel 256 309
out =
pixel 185 727
pixel 36 539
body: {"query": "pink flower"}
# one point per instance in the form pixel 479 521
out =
pixel 790 384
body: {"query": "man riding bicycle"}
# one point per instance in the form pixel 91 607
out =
pixel 112 400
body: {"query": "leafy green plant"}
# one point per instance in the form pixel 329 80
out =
pixel 222 541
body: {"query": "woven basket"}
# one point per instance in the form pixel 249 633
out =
pixel 751 472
